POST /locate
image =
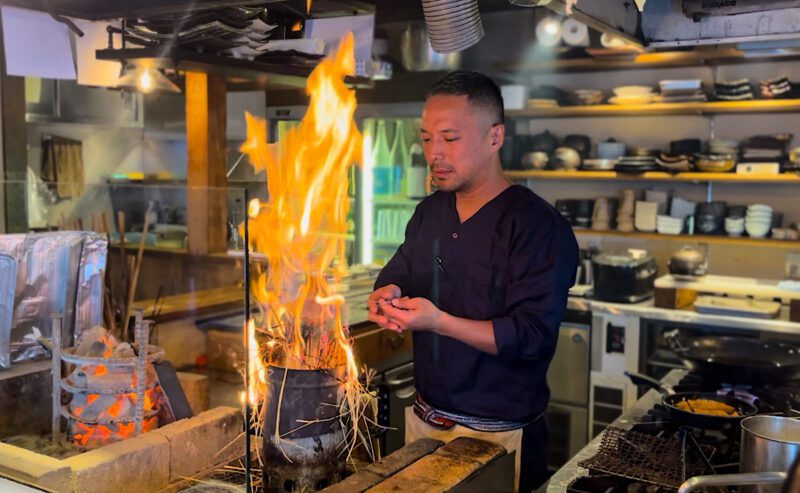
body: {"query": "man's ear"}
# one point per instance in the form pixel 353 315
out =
pixel 498 133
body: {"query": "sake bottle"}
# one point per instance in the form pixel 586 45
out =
pixel 400 157
pixel 383 171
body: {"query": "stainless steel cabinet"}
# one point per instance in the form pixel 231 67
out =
pixel 568 376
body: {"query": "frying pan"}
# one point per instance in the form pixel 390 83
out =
pixel 680 416
pixel 737 360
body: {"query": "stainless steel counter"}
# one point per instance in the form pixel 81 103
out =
pixel 645 309
pixel 571 470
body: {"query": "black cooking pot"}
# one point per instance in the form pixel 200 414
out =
pixel 580 143
pixel 543 142
pixel 688 261
pixel 710 217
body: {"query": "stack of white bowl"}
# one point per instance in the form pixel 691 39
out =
pixel 453 25
pixel 758 220
pixel 734 226
pixel 644 218
pixel 668 225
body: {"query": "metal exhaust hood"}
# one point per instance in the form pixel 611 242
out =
pixel 687 23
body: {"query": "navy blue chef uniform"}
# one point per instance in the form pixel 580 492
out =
pixel 513 263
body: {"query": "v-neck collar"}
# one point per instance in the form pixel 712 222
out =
pixel 485 206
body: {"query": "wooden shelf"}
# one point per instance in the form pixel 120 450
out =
pixel 700 177
pixel 637 61
pixel 240 74
pixel 717 240
pixel 654 109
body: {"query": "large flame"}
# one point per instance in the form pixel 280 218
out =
pixel 302 228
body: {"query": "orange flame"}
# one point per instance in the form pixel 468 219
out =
pixel 302 231
pixel 302 228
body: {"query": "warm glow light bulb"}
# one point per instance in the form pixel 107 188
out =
pixel 253 208
pixel 145 81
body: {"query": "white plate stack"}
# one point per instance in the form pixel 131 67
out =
pixel 632 95
pixel 645 217
pixel 668 225
pixel 453 25
pixel 758 220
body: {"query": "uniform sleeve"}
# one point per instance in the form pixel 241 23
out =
pixel 398 270
pixel 543 263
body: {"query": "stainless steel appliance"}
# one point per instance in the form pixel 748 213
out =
pixel 396 393
pixel 390 355
pixel 568 377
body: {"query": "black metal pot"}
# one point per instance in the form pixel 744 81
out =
pixel 301 449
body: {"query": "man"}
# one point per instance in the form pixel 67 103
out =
pixel 481 280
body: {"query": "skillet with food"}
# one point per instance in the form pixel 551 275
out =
pixel 706 410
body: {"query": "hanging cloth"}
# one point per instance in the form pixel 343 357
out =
pixel 62 166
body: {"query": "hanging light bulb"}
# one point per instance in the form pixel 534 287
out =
pixel 146 80
pixel 548 31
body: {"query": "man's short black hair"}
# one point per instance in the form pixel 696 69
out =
pixel 479 89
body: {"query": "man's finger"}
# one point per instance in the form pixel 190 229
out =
pixel 394 313
pixel 404 303
pixel 393 326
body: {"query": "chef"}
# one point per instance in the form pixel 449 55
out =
pixel 481 281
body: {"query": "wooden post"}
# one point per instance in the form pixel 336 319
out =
pixel 14 162
pixel 206 120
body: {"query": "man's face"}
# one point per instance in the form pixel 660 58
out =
pixel 459 140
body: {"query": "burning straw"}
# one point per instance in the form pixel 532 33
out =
pixel 301 231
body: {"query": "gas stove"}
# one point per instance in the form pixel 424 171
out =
pixel 622 464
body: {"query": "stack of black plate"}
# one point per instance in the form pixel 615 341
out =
pixel 241 28
pixel 640 161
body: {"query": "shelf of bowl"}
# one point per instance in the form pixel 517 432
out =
pixel 653 109
pixel 698 177
pixel 711 239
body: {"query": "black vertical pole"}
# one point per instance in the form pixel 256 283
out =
pixel 247 411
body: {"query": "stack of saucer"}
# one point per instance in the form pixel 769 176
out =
pixel 736 90
pixel 584 97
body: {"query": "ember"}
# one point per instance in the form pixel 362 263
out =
pixel 102 382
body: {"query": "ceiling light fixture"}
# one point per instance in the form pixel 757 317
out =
pixel 146 80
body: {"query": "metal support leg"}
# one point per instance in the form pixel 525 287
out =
pixel 142 334
pixel 56 352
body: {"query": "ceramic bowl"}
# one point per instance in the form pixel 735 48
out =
pixel 759 208
pixel 757 230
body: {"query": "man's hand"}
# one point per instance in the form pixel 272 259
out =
pixel 379 299
pixel 413 314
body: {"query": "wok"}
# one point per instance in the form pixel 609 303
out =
pixel 683 417
pixel 737 360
